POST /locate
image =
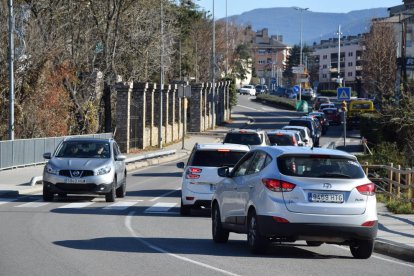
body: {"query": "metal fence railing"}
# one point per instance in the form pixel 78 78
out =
pixel 26 152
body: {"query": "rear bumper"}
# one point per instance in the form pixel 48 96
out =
pixel 315 231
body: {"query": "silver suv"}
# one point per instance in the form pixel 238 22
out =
pixel 85 166
pixel 249 137
pixel 284 194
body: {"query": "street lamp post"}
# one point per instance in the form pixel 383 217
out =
pixel 213 107
pixel 11 71
pixel 339 56
pixel 301 46
pixel 161 74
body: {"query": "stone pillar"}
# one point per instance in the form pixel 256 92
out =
pixel 165 114
pixel 123 99
pixel 157 105
pixel 208 97
pixel 174 127
pixel 220 103
pixel 153 131
pixel 194 124
pixel 228 111
pixel 138 132
pixel 178 114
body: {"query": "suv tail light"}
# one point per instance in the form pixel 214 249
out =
pixel 276 185
pixel 367 189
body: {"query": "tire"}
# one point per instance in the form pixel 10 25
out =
pixel 121 191
pixel 314 243
pixel 220 235
pixel 185 210
pixel 256 242
pixel 110 197
pixel 47 194
pixel 362 249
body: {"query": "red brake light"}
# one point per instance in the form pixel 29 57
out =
pixel 223 150
pixel 195 170
pixel 367 189
pixel 369 223
pixel 280 220
pixel 294 141
pixel 192 176
pixel 276 185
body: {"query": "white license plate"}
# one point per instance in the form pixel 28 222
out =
pixel 75 180
pixel 326 197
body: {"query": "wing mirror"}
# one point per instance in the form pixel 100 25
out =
pixel 223 171
pixel 47 155
pixel 120 157
pixel 180 165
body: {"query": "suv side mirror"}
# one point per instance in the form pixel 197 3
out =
pixel 120 157
pixel 223 171
pixel 47 155
pixel 180 165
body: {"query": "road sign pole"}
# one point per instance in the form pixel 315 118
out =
pixel 344 128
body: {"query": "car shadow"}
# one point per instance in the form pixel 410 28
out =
pixel 207 247
pixel 160 174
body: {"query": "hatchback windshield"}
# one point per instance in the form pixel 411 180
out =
pixel 281 140
pixel 243 138
pixel 320 166
pixel 216 158
pixel 84 149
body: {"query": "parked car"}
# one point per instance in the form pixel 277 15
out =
pixel 322 120
pixel 261 89
pixel 305 134
pixel 315 130
pixel 308 92
pixel 85 166
pixel 250 137
pixel 319 100
pixel 333 116
pixel 248 90
pixel 285 194
pixel 200 174
pixel 284 137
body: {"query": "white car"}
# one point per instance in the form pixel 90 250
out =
pixel 286 194
pixel 248 90
pixel 200 174
pixel 304 132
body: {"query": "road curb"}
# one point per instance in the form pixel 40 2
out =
pixel 396 250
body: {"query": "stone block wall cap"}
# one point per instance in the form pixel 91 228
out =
pixel 141 85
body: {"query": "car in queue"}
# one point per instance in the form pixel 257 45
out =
pixel 322 120
pixel 283 137
pixel 304 132
pixel 261 89
pixel 287 194
pixel 200 173
pixel 320 100
pixel 248 90
pixel 333 116
pixel 310 123
pixel 249 137
pixel 85 166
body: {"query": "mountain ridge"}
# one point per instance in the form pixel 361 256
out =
pixel 315 25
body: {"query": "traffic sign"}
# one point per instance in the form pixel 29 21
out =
pixel 298 70
pixel 273 80
pixel 343 93
pixel 296 88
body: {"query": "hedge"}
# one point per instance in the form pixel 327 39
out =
pixel 276 101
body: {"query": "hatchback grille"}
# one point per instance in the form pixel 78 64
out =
pixel 72 173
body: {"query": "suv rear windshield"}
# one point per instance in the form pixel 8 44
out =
pixel 216 158
pixel 320 166
pixel 243 138
pixel 281 140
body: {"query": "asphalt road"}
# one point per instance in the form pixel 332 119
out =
pixel 143 234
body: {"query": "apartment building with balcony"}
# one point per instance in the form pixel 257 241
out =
pixel 269 57
pixel 349 62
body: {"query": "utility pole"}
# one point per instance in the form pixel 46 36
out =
pixel 213 108
pixel 161 74
pixel 227 42
pixel 339 56
pixel 11 71
pixel 301 46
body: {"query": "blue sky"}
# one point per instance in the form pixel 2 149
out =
pixel 240 6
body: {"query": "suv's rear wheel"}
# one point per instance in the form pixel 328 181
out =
pixel 185 210
pixel 362 249
pixel 47 194
pixel 110 197
pixel 220 235
pixel 256 242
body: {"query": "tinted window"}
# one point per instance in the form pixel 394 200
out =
pixel 84 149
pixel 281 140
pixel 243 138
pixel 320 167
pixel 258 163
pixel 244 164
pixel 215 158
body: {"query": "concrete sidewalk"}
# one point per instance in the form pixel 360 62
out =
pixel 395 234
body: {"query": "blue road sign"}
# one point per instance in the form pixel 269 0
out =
pixel 343 93
pixel 273 80
pixel 296 88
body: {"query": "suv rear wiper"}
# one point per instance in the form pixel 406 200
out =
pixel 335 175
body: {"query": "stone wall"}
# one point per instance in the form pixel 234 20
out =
pixel 138 112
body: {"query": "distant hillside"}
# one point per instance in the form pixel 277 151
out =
pixel 316 25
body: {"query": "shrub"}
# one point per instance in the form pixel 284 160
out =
pixel 276 101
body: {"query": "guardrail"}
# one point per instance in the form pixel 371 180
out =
pixel 394 182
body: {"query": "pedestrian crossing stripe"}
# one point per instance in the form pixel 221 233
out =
pixel 34 204
pixel 75 205
pixel 160 207
pixel 121 205
pixel 6 200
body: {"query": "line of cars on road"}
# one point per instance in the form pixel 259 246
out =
pixel 282 193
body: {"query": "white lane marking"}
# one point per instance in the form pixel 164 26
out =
pixel 380 258
pixel 163 195
pixel 75 205
pixel 34 204
pixel 159 249
pixel 248 107
pixel 121 205
pixel 6 200
pixel 160 207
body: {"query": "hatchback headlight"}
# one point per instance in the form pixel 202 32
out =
pixel 103 170
pixel 51 170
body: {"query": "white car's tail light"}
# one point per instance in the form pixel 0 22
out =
pixel 193 173
pixel 276 185
pixel 367 189
pixel 280 220
pixel 369 223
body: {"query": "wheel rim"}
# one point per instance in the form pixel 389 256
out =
pixel 252 231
